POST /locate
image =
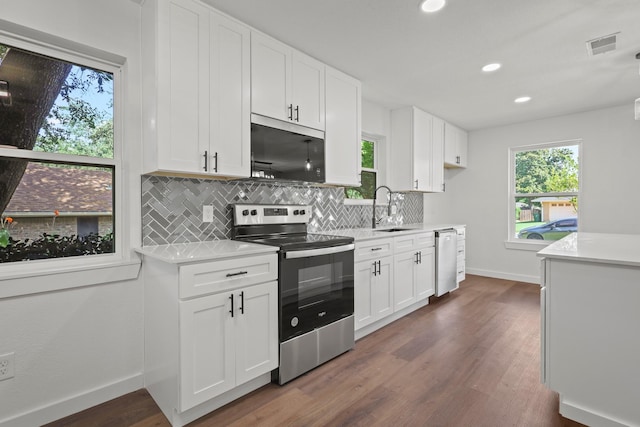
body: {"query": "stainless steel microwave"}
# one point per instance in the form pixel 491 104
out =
pixel 286 151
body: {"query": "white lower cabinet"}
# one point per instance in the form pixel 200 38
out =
pixel 226 339
pixel 373 290
pixel 414 267
pixel 211 332
pixel 393 276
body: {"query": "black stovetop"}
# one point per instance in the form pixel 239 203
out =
pixel 300 240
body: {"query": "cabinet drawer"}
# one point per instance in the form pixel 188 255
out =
pixel 461 232
pixel 217 276
pixel 413 241
pixel 461 249
pixel 373 249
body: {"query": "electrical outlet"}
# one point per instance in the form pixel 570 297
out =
pixel 6 366
pixel 207 213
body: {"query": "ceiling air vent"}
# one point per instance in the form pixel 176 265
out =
pixel 602 44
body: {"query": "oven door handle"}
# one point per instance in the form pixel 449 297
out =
pixel 317 252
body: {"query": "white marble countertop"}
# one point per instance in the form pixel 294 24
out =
pixel 361 234
pixel 180 253
pixel 623 249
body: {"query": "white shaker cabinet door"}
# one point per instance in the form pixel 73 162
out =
pixel 230 140
pixel 307 91
pixel 183 86
pixel 256 333
pixel 425 277
pixel 270 78
pixel 343 129
pixel 207 342
pixel 404 291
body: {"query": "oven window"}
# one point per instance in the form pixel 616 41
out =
pixel 318 282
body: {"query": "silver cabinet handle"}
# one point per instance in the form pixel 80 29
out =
pixel 206 157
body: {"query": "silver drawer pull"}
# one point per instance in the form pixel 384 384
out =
pixel 239 273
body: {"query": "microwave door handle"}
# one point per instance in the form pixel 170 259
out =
pixel 317 252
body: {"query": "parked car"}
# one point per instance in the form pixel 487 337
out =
pixel 554 230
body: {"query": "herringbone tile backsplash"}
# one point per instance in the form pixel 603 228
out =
pixel 172 207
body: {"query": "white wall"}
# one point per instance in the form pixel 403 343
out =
pixel 78 347
pixel 477 195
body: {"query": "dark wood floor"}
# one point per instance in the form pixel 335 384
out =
pixel 470 358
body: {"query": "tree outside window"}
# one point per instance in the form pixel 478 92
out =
pixel 57 164
pixel 544 191
pixel 369 172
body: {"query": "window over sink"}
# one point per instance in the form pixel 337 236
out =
pixel 369 148
pixel 544 192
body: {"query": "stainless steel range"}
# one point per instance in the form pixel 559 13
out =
pixel 315 284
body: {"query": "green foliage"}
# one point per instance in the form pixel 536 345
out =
pixel 56 246
pixel 77 124
pixel 366 190
pixel 368 178
pixel 367 153
pixel 546 170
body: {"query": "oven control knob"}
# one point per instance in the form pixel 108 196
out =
pixel 254 212
pixel 245 212
pixel 296 212
pixel 294 322
pixel 302 212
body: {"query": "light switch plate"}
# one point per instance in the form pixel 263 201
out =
pixel 207 213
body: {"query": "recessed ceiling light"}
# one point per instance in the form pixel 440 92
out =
pixel 522 99
pixel 491 67
pixel 430 6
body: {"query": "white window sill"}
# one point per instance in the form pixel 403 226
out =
pixel 524 245
pixel 30 277
pixel 365 202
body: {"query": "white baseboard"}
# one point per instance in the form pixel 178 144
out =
pixel 588 417
pixel 502 275
pixel 68 406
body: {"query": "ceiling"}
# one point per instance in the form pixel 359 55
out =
pixel 433 61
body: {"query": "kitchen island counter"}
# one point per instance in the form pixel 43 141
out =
pixel 589 327
pixel 622 249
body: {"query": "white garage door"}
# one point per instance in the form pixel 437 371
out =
pixel 561 210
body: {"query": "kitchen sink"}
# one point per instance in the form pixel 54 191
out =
pixel 391 230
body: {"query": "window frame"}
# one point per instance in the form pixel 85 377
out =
pixel 22 278
pixel 526 244
pixel 377 141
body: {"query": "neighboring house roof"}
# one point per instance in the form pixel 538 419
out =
pixel 45 189
pixel 553 199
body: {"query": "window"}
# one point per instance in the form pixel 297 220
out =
pixel 57 162
pixel 544 190
pixel 368 173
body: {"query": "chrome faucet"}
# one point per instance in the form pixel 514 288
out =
pixel 375 193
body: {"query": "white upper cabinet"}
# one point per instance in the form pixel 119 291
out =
pixel 230 137
pixel 196 91
pixel 455 143
pixel 437 153
pixel 286 84
pixel 416 160
pixel 343 129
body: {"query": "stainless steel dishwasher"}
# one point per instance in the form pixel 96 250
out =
pixel 446 258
